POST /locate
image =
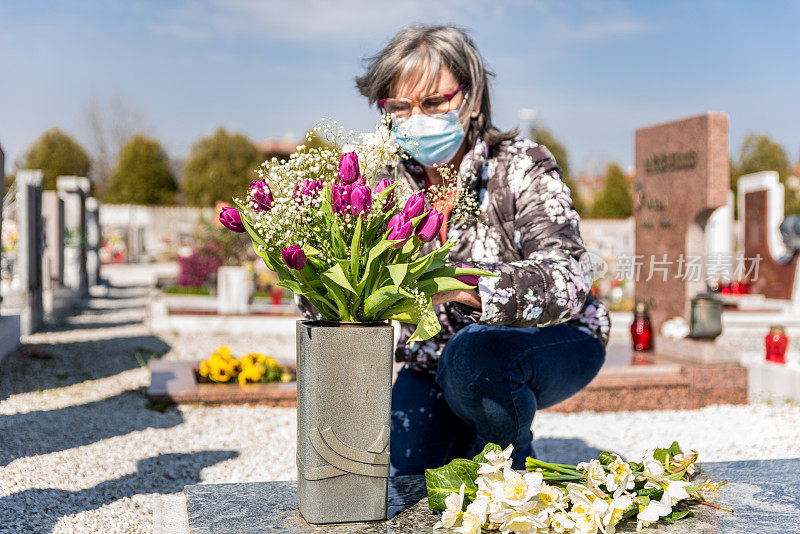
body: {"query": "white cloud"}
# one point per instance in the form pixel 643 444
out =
pixel 315 21
pixel 621 26
pixel 308 20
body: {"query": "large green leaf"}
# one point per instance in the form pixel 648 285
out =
pixel 337 275
pixel 420 266
pixel 454 271
pixel 336 294
pixel 437 285
pixel 398 272
pixel 373 263
pixel 427 327
pixel 443 481
pixel 672 451
pixel 384 297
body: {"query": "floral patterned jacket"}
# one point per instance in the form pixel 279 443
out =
pixel 527 233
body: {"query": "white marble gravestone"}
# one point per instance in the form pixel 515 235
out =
pixel 719 242
pixel 761 198
pixel 30 247
pixel 74 190
pixel 233 290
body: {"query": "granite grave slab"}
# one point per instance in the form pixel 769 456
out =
pixel 762 494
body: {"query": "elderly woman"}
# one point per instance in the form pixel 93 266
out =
pixel 522 341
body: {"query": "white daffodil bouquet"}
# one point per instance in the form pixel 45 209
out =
pixel 347 239
pixel 487 494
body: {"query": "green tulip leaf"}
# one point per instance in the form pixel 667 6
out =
pixel 382 299
pixel 427 327
pixel 432 286
pixel 398 272
pixel 336 275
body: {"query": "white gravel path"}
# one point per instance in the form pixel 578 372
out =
pixel 81 452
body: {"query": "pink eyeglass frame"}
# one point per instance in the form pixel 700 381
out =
pixel 418 102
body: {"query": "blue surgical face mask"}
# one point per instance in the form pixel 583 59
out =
pixel 430 140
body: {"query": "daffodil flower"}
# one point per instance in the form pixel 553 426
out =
pixel 619 471
pixel 653 511
pixel 491 491
pixel 560 523
pixel 451 515
pixel 594 471
pixel 496 461
pixel 551 498
pixel 519 489
pixel 521 520
pixel 587 509
pixel 676 489
pixel 473 518
pixel 653 470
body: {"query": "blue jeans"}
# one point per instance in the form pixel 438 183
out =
pixel 489 384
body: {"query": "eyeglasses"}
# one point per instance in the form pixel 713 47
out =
pixel 433 104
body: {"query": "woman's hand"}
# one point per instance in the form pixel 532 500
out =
pixel 468 297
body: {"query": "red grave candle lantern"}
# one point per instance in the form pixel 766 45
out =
pixel 776 344
pixel 641 332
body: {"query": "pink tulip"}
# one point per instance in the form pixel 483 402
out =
pixel 231 219
pixel 349 171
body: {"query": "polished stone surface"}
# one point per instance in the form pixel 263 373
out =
pixel 763 494
pixel 262 507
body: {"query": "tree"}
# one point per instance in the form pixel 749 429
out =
pixel 544 137
pixel 142 175
pixel 219 167
pixel 614 201
pixel 760 153
pixel 56 154
pixel 111 122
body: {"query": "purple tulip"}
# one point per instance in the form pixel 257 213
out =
pixel 294 257
pixel 349 171
pixel 360 199
pixel 307 188
pixel 400 228
pixel 469 279
pixel 428 228
pixel 340 198
pixel 380 186
pixel 231 219
pixel 261 195
pixel 415 206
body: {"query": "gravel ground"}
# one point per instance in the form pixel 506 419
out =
pixel 80 451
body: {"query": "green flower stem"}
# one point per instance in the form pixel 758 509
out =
pixel 558 468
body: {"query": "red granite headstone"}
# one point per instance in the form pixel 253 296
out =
pixel 682 175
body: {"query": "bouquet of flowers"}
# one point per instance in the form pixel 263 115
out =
pixel 347 239
pixel 487 494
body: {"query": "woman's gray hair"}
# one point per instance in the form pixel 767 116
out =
pixel 421 49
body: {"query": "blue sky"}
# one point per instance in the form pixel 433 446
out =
pixel 594 71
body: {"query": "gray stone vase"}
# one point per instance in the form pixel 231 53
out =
pixel 344 392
